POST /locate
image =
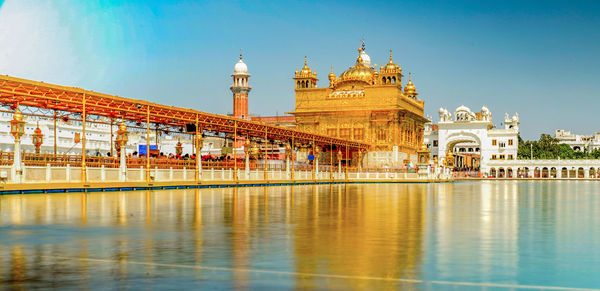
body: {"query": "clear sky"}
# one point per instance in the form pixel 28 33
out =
pixel 537 58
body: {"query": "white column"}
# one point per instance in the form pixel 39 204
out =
pixel 199 165
pixel 123 165
pixel 17 178
pixel 287 166
pixel 155 173
pixel 184 173
pixel 247 167
pixel 102 173
pixel 141 173
pixel 586 172
pixel 68 173
pixel 48 173
pixel 170 173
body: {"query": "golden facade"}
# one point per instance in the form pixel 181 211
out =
pixel 362 104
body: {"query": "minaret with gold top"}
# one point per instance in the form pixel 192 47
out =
pixel 363 104
pixel 306 78
pixel 391 74
pixel 240 89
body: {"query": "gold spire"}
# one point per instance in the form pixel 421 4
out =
pixel 390 65
pixel 359 60
pixel 306 69
pixel 306 72
pixel 331 77
pixel 410 89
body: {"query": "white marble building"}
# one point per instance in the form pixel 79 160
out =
pixel 578 142
pixel 472 137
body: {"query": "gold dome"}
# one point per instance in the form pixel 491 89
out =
pixel 410 89
pixel 305 69
pixel 331 75
pixel 305 72
pixel 358 72
pixel 390 65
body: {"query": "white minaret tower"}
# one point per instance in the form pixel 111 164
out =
pixel 240 89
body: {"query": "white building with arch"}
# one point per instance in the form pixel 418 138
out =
pixel 472 138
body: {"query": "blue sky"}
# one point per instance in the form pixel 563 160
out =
pixel 537 58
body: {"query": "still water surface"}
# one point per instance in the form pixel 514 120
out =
pixel 343 237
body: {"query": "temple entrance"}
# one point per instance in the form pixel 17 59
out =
pixel 465 152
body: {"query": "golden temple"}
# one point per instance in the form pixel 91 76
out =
pixel 363 104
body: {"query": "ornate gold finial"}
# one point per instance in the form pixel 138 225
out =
pixel 18 115
pixel 240 53
pixel 390 55
pixel 305 60
pixel 409 75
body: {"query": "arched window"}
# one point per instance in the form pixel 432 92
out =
pixel 393 80
pixel 383 80
pixel 298 85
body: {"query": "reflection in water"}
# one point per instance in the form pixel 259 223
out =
pixel 500 232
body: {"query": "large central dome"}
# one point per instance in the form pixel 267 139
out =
pixel 361 71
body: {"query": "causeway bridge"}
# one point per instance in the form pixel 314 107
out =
pixel 20 171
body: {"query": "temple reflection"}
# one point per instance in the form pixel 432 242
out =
pixel 342 234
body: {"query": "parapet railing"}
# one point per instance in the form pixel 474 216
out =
pixel 6 158
pixel 41 160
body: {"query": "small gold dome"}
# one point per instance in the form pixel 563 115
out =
pixel 390 65
pixel 305 69
pixel 410 89
pixel 331 75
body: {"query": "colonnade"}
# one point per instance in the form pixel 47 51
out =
pixel 546 172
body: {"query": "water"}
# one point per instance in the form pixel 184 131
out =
pixel 461 236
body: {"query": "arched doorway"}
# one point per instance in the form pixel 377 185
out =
pixel 463 148
pixel 493 172
pixel 501 173
pixel 592 173
pixel 509 173
pixel 564 173
pixel 526 172
pixel 544 172
pixel 580 172
pixel 536 172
